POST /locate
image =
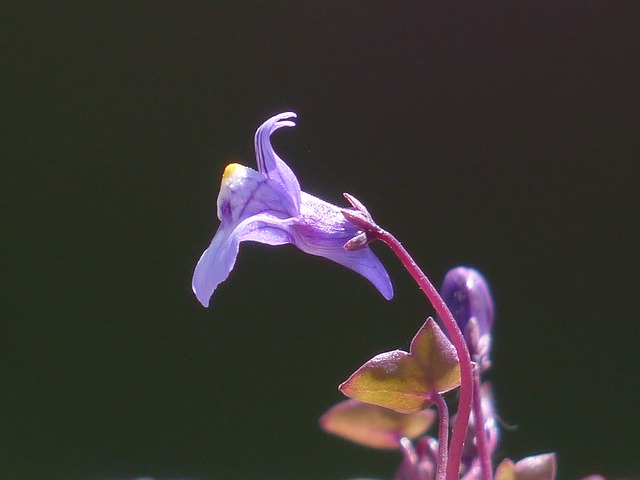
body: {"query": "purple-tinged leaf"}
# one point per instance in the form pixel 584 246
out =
pixel 406 382
pixel 374 426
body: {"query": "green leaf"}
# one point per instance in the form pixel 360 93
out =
pixel 374 426
pixel 406 382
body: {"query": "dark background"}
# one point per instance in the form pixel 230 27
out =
pixel 501 136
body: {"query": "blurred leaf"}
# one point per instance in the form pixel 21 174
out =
pixel 535 467
pixel 374 426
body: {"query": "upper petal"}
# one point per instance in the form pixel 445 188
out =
pixel 323 231
pixel 269 163
pixel 245 192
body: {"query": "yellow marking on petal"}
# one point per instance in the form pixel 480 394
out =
pixel 228 172
pixel 234 174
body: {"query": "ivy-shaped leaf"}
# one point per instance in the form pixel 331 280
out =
pixel 535 467
pixel 406 382
pixel 374 426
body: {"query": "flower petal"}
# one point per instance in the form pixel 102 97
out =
pixel 269 164
pixel 323 231
pixel 366 264
pixel 245 192
pixel 214 265
pixel 218 260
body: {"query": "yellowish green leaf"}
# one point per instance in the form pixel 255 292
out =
pixel 406 382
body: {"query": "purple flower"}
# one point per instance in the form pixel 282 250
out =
pixel 267 206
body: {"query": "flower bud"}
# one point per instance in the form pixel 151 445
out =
pixel 466 293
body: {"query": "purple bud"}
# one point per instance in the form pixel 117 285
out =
pixel 467 295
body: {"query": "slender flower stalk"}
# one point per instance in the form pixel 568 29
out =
pixel 484 455
pixel 443 435
pixel 466 382
pixel 362 219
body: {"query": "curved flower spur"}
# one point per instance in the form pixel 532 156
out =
pixel 267 206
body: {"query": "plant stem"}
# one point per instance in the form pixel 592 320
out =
pixel 466 380
pixel 443 434
pixel 480 433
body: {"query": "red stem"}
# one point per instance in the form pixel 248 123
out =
pixel 443 434
pixel 466 376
